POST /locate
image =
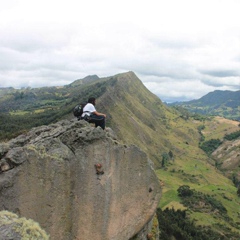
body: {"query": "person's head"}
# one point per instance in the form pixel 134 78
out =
pixel 92 100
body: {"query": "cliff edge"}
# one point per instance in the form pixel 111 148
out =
pixel 78 182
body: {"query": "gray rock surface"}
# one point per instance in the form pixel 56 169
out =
pixel 78 182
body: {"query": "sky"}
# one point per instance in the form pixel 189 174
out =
pixel 180 49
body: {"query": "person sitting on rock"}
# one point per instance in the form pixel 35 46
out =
pixel 92 115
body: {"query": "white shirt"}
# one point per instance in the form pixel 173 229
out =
pixel 88 109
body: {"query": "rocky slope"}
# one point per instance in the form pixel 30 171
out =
pixel 227 157
pixel 78 182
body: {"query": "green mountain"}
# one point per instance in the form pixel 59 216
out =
pixel 190 179
pixel 23 109
pixel 217 103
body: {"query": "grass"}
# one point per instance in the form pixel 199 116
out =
pixel 169 197
pixel 201 176
pixel 168 131
pixel 18 112
pixel 175 205
pixel 218 127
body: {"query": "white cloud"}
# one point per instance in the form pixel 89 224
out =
pixel 179 49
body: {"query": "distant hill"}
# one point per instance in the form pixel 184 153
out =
pixel 4 91
pixel 88 79
pixel 171 139
pixel 217 103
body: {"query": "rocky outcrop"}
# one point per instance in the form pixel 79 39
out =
pixel 78 182
pixel 228 158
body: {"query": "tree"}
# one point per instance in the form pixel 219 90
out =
pixel 165 158
pixel 210 146
pixel 170 154
pixel 184 191
pixel 238 191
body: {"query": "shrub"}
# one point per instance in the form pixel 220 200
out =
pixel 190 198
pixel 184 191
pixel 175 224
pixel 232 136
pixel 238 191
pixel 210 146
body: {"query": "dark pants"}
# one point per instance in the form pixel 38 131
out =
pixel 98 120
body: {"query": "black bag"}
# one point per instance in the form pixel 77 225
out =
pixel 86 118
pixel 78 110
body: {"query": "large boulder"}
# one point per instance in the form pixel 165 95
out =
pixel 78 182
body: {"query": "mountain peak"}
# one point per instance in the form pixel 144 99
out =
pixel 85 80
pixel 90 78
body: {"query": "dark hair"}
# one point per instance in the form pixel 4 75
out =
pixel 92 100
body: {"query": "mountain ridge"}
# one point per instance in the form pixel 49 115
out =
pixel 169 137
pixel 85 80
pixel 223 103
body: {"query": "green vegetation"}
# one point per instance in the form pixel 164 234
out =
pixel 238 191
pixel 200 128
pixel 232 136
pixel 24 109
pixel 198 201
pixel 176 224
pixel 210 146
pixel 13 125
pixel 166 157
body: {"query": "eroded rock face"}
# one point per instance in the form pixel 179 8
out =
pixel 78 182
pixel 228 157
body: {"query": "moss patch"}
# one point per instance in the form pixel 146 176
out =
pixel 20 228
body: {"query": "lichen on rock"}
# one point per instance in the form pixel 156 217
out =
pixel 13 227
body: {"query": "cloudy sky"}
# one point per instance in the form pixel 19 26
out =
pixel 180 49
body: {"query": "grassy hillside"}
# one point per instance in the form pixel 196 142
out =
pixel 21 110
pixel 139 117
pixel 170 137
pixel 227 155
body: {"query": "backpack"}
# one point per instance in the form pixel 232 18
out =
pixel 78 110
